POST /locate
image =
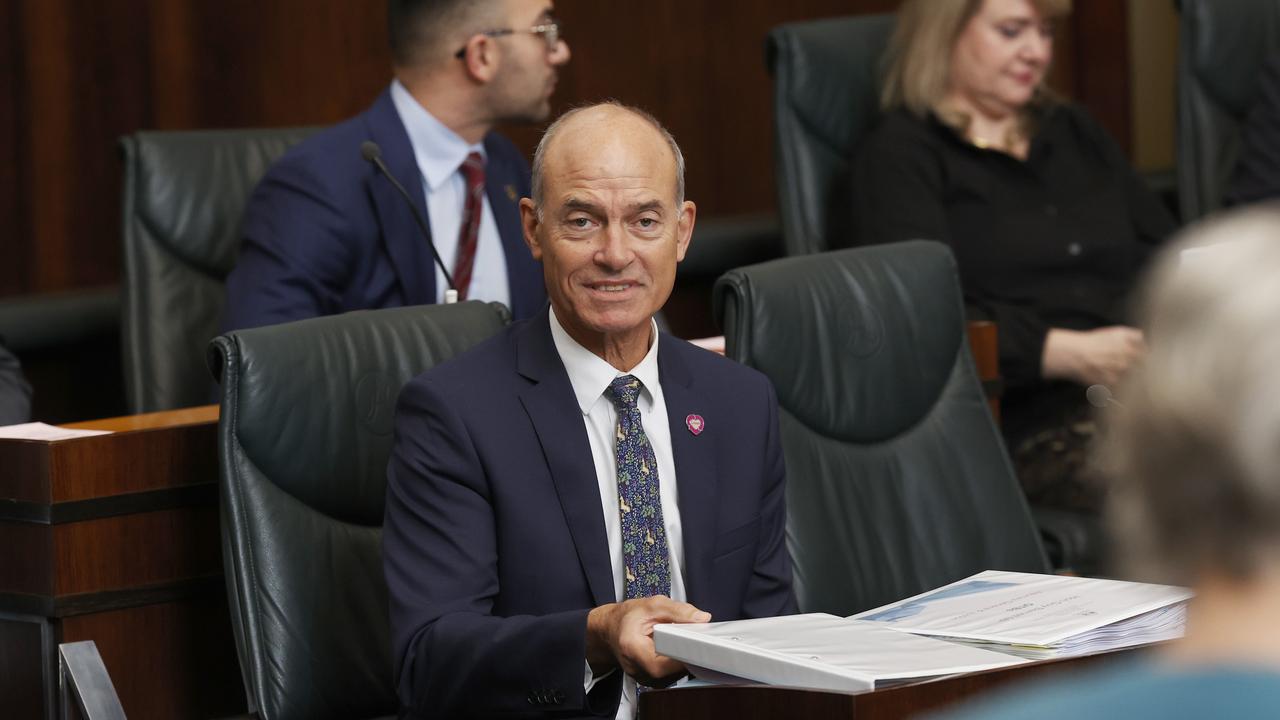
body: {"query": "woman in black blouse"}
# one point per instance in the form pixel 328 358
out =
pixel 1048 223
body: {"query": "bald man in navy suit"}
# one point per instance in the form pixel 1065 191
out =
pixel 559 489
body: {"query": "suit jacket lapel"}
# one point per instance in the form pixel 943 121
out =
pixel 409 251
pixel 695 469
pixel 557 419
pixel 504 188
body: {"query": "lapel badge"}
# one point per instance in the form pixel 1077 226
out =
pixel 696 424
pixel 511 193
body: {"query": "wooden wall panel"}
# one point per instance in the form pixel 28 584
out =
pixel 13 245
pixel 168 660
pixel 1099 56
pixel 21 689
pixel 136 550
pixel 82 74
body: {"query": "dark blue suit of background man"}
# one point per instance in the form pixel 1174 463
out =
pixel 507 491
pixel 325 232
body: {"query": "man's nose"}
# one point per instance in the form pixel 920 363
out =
pixel 560 55
pixel 615 253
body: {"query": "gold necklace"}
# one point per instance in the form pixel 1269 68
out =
pixel 1010 141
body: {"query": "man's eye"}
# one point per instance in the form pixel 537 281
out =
pixel 648 223
pixel 579 223
pixel 1009 31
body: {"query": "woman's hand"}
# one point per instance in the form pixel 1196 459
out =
pixel 1091 357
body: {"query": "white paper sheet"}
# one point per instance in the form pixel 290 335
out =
pixel 1028 609
pixel 818 651
pixel 41 431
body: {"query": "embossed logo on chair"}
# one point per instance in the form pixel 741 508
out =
pixel 861 331
pixel 375 398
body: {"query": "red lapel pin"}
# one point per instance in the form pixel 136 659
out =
pixel 695 423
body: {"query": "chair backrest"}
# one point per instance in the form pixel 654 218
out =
pixel 184 193
pixel 826 96
pixel 897 480
pixel 1222 47
pixel 303 442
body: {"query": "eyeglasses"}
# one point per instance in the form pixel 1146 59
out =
pixel 550 33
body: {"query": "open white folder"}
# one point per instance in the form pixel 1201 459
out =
pixel 819 651
pixel 1041 616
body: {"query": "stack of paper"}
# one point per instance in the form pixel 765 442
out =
pixel 41 431
pixel 953 629
pixel 1041 616
pixel 818 651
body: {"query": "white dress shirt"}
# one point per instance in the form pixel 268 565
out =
pixel 590 376
pixel 439 153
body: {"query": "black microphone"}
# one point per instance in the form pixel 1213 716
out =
pixel 370 151
pixel 1099 396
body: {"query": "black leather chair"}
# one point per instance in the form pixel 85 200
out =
pixel 826 96
pixel 1222 47
pixel 184 193
pixel 897 480
pixel 303 441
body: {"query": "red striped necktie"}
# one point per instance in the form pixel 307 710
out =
pixel 468 237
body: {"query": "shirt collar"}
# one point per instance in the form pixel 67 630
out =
pixel 438 150
pixel 590 375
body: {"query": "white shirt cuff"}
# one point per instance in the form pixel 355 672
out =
pixel 589 679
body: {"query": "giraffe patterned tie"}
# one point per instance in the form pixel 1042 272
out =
pixel 644 538
pixel 472 170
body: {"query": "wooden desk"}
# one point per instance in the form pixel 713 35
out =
pixel 760 702
pixel 114 538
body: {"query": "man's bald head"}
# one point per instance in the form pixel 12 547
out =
pixel 589 128
pixel 609 223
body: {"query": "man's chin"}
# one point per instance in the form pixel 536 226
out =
pixel 531 116
pixel 618 323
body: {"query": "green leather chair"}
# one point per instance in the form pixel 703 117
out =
pixel 826 96
pixel 184 193
pixel 303 441
pixel 1222 47
pixel 897 480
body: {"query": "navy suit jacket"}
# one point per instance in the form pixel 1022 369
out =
pixel 494 540
pixel 324 232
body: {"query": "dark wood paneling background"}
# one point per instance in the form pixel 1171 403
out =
pixel 74 76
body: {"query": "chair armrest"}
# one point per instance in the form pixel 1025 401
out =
pixel 61 319
pixel 984 339
pixel 83 679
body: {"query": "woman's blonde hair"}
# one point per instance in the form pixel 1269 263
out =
pixel 918 61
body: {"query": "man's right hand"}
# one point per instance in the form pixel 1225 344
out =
pixel 621 635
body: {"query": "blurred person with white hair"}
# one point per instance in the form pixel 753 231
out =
pixel 1193 453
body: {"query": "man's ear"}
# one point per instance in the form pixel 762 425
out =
pixel 684 228
pixel 480 58
pixel 529 223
